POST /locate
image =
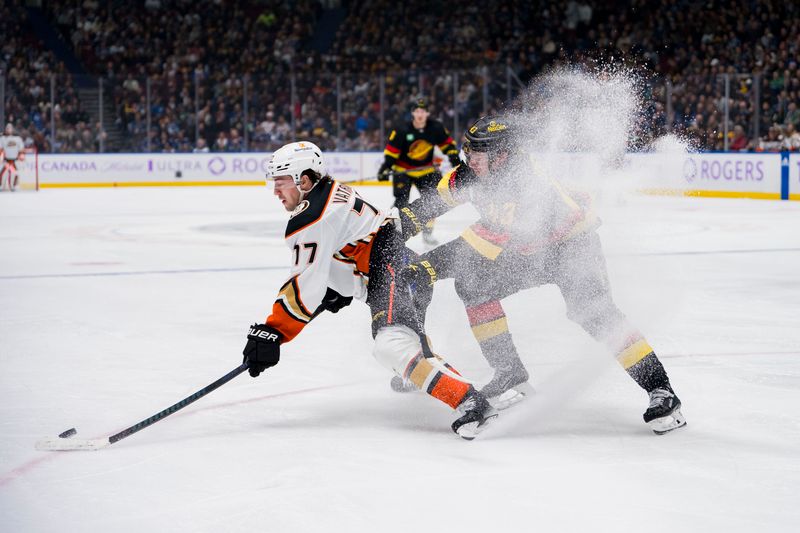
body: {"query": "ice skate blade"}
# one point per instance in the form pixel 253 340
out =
pixel 472 429
pixel 512 396
pixel 668 423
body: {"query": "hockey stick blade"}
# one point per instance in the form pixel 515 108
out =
pixel 57 444
pixel 65 442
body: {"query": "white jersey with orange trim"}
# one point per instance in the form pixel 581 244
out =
pixel 330 236
pixel 11 146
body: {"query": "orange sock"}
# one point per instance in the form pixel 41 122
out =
pixel 441 386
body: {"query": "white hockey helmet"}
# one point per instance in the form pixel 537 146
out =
pixel 295 158
pixel 9 129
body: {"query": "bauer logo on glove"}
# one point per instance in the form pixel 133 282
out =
pixel 263 348
pixel 263 334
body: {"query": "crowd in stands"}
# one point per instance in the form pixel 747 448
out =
pixel 191 71
pixel 39 92
pixel 752 43
pixel 247 74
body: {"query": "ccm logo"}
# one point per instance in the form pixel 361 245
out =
pixel 263 335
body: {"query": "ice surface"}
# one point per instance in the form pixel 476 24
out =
pixel 117 303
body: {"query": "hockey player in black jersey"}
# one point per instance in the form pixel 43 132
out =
pixel 408 158
pixel 531 232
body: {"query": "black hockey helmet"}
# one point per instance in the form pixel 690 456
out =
pixel 419 103
pixel 488 134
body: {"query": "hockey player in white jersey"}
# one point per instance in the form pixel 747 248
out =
pixel 342 247
pixel 12 149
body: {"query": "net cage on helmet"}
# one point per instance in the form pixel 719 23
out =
pixel 294 159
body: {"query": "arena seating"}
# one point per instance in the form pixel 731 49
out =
pixel 220 76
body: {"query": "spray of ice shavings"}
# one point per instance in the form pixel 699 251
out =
pixel 571 128
pixel 649 170
pixel 672 144
pixel 574 111
pixel 569 125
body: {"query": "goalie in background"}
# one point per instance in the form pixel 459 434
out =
pixel 342 247
pixel 12 149
pixel 408 158
pixel 532 231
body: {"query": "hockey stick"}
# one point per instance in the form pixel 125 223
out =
pixel 391 175
pixel 64 442
pixel 359 180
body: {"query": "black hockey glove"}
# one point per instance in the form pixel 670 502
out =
pixel 465 177
pixel 454 159
pixel 385 172
pixel 419 276
pixel 333 301
pixel 263 348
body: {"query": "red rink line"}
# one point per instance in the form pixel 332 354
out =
pixel 723 354
pixel 24 468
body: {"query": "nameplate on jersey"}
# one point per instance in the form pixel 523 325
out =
pixel 342 194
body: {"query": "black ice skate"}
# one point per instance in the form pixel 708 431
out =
pixel 476 413
pixel 664 412
pixel 508 386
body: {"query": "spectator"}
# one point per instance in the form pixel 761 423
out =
pixel 792 115
pixel 201 147
pixel 282 131
pixel 740 141
pixel 791 139
pixel 221 143
pixel 772 142
pixel 268 125
pixel 235 142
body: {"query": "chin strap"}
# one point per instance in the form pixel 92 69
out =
pixel 303 193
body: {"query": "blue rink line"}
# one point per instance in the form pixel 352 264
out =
pixel 714 252
pixel 141 273
pixel 255 269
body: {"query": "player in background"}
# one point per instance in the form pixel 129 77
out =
pixel 343 247
pixel 408 157
pixel 531 232
pixel 12 148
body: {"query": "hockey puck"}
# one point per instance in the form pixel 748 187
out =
pixel 68 433
pixel 398 385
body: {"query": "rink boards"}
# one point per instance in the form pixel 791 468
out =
pixel 737 175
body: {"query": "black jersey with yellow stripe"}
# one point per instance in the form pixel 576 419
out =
pixel 524 213
pixel 410 150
